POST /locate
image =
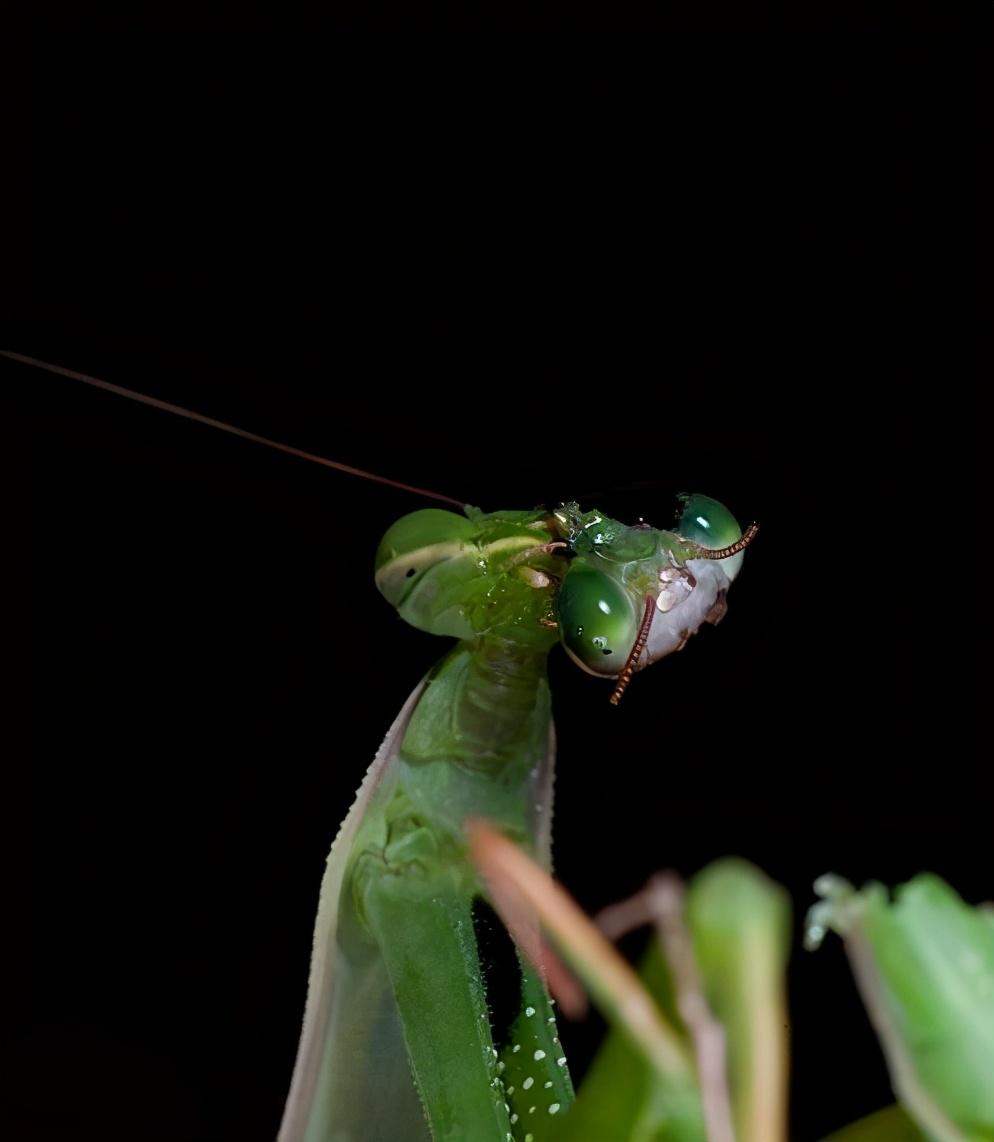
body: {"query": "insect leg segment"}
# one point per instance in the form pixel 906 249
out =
pixel 536 1082
pixel 423 926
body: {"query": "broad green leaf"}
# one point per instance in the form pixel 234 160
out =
pixel 740 924
pixel 888 1125
pixel 619 1097
pixel 924 964
pixel 740 921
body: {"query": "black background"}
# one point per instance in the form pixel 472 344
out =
pixel 516 262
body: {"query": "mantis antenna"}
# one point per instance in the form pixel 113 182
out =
pixel 650 608
pixel 732 549
pixel 200 418
pixel 629 668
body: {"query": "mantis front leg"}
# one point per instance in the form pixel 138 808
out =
pixel 422 922
pixel 418 908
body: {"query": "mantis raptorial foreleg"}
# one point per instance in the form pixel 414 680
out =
pixel 425 931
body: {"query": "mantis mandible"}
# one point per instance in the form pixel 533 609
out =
pixel 396 983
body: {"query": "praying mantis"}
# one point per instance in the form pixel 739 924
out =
pixel 544 539
pixel 571 528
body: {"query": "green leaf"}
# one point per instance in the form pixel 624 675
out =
pixel 740 920
pixel 740 924
pixel 888 1125
pixel 924 964
pixel 619 1096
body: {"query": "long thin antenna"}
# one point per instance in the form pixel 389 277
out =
pixel 633 659
pixel 732 549
pixel 189 414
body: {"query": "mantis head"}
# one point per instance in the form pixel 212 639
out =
pixel 621 597
pixel 634 594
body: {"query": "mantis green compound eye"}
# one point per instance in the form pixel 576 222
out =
pixel 597 620
pixel 711 524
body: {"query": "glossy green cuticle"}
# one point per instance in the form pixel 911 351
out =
pixel 425 528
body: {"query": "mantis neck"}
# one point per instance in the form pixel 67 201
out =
pixel 479 736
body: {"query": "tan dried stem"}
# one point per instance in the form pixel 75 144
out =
pixel 660 904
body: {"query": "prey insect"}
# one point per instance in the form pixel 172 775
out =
pixel 397 1040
